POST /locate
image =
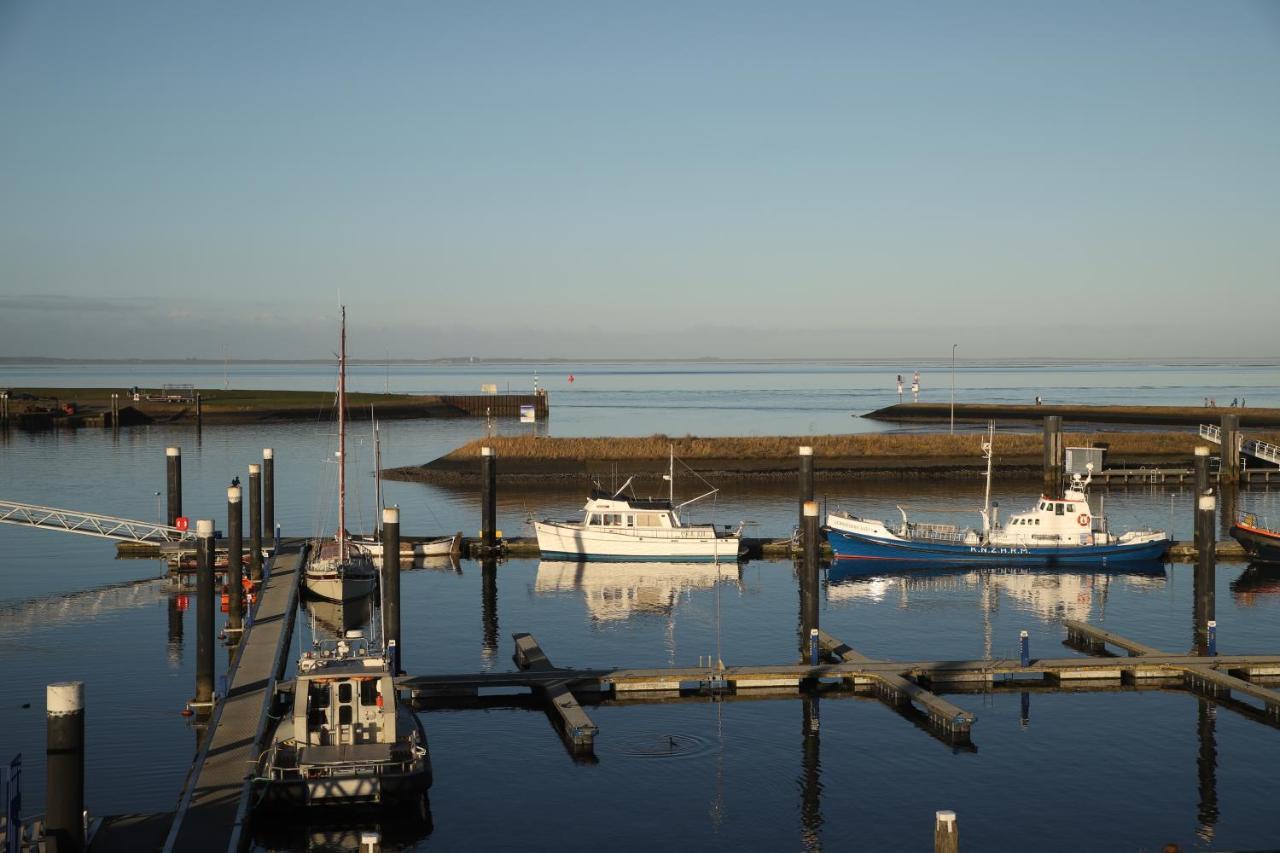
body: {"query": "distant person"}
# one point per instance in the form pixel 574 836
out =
pixel 1242 402
pixel 1038 400
pixel 1233 402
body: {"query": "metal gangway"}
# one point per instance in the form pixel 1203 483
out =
pixel 90 524
pixel 1264 450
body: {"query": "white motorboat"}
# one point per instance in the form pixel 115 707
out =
pixel 620 527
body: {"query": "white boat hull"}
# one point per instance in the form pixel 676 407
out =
pixel 579 542
pixel 442 547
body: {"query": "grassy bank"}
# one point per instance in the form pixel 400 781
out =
pixel 1152 415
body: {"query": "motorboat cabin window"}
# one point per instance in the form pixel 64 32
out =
pixel 1071 507
pixel 344 692
pixel 369 693
pixel 647 519
pixel 1037 521
pixel 593 519
pixel 1057 508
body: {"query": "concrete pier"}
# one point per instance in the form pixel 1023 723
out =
pixel 235 560
pixel 173 483
pixel 488 499
pixel 567 713
pixel 203 700
pixel 255 523
pixel 391 582
pixel 64 797
pixel 269 492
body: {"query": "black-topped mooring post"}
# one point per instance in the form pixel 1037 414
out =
pixel 488 499
pixel 269 493
pixel 946 833
pixel 391 581
pixel 1230 470
pixel 204 614
pixel 173 482
pixel 235 559
pixel 1053 454
pixel 255 522
pixel 809 576
pixel 806 482
pixel 1205 576
pixel 64 745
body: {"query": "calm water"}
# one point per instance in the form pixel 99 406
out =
pixel 1147 767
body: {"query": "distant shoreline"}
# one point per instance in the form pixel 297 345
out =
pixel 895 364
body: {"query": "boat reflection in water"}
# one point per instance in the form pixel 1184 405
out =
pixel 615 591
pixel 1255 582
pixel 401 831
pixel 1051 594
pixel 331 620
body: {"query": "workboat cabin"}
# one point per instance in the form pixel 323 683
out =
pixel 1052 522
pixel 346 739
pixel 604 511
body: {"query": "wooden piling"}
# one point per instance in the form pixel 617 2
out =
pixel 235 559
pixel 391 581
pixel 255 523
pixel 488 499
pixel 1200 468
pixel 1205 572
pixel 1229 472
pixel 806 482
pixel 1053 456
pixel 173 483
pixel 269 492
pixel 946 834
pixel 809 576
pixel 64 791
pixel 204 614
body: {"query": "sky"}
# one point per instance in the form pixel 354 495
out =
pixel 658 179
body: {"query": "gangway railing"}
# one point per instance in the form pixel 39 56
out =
pixel 1263 450
pixel 90 524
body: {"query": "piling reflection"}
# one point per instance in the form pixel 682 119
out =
pixel 489 610
pixel 176 606
pixel 617 591
pixel 811 775
pixel 347 830
pixel 1207 769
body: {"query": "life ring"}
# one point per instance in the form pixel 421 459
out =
pixel 1083 520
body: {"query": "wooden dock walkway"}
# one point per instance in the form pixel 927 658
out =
pixel 213 810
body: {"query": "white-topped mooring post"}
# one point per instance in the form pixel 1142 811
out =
pixel 391 581
pixel 946 833
pixel 1206 570
pixel 204 614
pixel 1200 467
pixel 806 481
pixel 488 499
pixel 235 559
pixel 173 482
pixel 370 842
pixel 268 492
pixel 64 798
pixel 255 522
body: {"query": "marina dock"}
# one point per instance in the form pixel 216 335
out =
pixel 214 807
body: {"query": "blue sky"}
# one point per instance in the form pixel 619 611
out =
pixel 643 179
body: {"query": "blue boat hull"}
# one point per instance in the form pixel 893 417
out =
pixel 852 546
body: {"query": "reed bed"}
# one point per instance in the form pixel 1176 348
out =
pixel 917 445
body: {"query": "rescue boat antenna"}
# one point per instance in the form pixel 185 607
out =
pixel 988 450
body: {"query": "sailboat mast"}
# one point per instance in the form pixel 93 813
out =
pixel 342 440
pixel 671 475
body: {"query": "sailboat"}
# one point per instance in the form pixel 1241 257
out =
pixel 619 527
pixel 339 570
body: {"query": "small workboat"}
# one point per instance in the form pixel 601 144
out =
pixel 1259 542
pixel 345 738
pixel 620 527
pixel 443 546
pixel 1054 532
pixel 339 570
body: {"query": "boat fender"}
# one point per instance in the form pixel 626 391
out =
pixel 1083 519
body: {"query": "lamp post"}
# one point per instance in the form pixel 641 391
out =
pixel 953 388
pixel 159 509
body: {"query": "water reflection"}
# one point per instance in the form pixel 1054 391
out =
pixel 333 619
pixel 1207 768
pixel 489 611
pixel 617 591
pixel 1254 583
pixel 21 617
pixel 1050 594
pixel 345 831
pixel 811 775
